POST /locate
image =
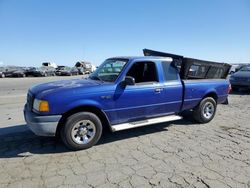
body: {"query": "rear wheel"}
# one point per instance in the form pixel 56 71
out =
pixel 81 131
pixel 205 111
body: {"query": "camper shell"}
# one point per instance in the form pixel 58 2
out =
pixel 190 68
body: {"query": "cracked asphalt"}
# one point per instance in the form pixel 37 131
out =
pixel 177 154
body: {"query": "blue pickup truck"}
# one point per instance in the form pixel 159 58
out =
pixel 123 93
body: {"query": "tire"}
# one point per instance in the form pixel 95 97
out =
pixel 205 111
pixel 81 131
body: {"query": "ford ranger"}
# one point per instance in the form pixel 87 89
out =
pixel 124 93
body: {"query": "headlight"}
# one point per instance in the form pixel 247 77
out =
pixel 41 105
pixel 231 78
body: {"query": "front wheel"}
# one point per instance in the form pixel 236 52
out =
pixel 81 131
pixel 205 111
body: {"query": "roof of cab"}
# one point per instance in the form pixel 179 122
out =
pixel 143 58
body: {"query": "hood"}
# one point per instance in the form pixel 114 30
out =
pixel 242 74
pixel 49 87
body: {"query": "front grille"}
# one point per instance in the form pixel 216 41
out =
pixel 241 79
pixel 30 100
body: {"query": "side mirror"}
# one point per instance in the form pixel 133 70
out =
pixel 129 80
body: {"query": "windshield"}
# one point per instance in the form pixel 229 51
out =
pixel 46 64
pixel 65 68
pixel 245 68
pixel 109 70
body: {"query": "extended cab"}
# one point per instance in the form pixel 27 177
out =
pixel 123 93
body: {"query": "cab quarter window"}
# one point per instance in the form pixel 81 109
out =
pixel 143 72
pixel 169 71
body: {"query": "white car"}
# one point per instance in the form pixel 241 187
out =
pixel 93 68
pixel 48 64
pixel 233 68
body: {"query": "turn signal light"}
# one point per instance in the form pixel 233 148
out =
pixel 44 106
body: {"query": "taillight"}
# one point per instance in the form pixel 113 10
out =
pixel 229 88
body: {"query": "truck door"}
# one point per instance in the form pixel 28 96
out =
pixel 143 100
pixel 172 86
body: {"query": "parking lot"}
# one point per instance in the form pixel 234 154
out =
pixel 178 154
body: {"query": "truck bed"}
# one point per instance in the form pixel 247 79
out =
pixel 194 90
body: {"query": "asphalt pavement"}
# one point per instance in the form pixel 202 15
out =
pixel 177 154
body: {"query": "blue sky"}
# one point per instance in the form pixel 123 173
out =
pixel 34 31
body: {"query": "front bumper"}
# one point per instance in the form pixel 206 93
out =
pixel 240 84
pixel 41 125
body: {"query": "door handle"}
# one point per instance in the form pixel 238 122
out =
pixel 158 90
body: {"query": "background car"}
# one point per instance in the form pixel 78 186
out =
pixel 2 75
pixel 67 71
pixel 49 64
pixel 80 70
pixel 19 72
pixel 240 66
pixel 59 69
pixel 87 66
pixel 42 71
pixel 30 71
pixel 9 70
pixel 241 79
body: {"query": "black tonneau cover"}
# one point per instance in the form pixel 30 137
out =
pixel 194 68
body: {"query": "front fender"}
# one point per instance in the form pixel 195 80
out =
pixel 82 102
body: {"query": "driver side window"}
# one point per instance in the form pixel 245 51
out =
pixel 143 72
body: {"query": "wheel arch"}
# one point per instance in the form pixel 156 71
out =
pixel 212 94
pixel 84 108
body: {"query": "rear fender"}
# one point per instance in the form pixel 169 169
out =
pixel 211 93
